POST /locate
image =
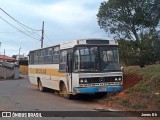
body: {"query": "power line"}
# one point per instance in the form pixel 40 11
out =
pixel 17 20
pixel 48 38
pixel 22 25
pixel 13 39
pixel 28 30
pixel 22 31
pixel 8 32
pixel 17 28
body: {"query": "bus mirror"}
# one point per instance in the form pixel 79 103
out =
pixel 69 63
pixel 122 69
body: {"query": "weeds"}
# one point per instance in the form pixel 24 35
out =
pixel 158 101
pixel 139 106
pixel 125 102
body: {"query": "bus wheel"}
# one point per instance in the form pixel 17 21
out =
pixel 41 88
pixel 65 93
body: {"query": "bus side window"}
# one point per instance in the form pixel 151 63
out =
pixel 36 53
pixel 76 60
pixel 48 55
pixel 63 60
pixel 56 54
pixel 41 56
pixel 31 58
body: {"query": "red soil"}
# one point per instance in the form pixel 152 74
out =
pixel 131 80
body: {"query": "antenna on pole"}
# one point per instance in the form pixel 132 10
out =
pixel 42 38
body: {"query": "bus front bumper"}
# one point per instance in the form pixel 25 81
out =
pixel 97 89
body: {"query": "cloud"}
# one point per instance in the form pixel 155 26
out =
pixel 65 20
pixel 66 12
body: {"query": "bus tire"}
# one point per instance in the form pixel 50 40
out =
pixel 65 93
pixel 41 88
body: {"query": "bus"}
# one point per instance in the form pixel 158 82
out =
pixel 85 66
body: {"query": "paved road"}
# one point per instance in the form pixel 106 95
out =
pixel 20 95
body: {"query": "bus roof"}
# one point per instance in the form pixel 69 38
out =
pixel 82 42
pixel 88 41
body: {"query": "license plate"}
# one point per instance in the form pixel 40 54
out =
pixel 101 89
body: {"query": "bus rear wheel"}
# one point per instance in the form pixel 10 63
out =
pixel 41 88
pixel 64 93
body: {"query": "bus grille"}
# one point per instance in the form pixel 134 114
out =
pixel 100 80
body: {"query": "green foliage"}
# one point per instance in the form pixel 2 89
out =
pixel 146 52
pixel 149 47
pixel 14 56
pixel 158 101
pixel 144 95
pixel 135 20
pixel 124 102
pixel 128 52
pixel 151 79
pixel 139 106
pixel 129 18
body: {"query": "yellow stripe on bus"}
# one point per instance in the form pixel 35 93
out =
pixel 46 71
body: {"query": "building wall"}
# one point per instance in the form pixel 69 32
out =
pixel 1 60
pixel 23 69
pixel 4 71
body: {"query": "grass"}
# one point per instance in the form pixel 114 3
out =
pixel 124 102
pixel 144 91
pixel 158 101
pixel 139 106
pixel 151 78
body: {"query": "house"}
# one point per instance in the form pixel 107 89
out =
pixel 5 58
pixel 20 57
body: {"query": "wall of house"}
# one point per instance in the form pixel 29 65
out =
pixel 6 72
pixel 1 60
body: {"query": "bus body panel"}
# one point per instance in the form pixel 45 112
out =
pixel 48 74
pixel 98 89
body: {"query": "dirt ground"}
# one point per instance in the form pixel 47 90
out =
pixel 127 102
pixel 131 80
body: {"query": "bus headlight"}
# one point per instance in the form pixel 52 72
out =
pixel 116 79
pixel 119 79
pixel 85 80
pixel 81 80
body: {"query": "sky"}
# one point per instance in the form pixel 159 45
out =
pixel 64 21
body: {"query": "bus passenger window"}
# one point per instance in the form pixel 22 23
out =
pixel 76 60
pixel 48 56
pixel 63 60
pixel 56 55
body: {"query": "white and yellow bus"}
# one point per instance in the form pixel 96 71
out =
pixel 83 66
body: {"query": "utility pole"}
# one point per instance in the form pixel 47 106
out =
pixel 42 38
pixel 19 54
pixel 4 56
pixel 5 69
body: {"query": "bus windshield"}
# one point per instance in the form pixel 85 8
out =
pixel 96 58
pixel 109 58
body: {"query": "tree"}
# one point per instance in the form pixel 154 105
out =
pixel 14 56
pixel 128 52
pixel 129 19
pixel 134 20
pixel 150 47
